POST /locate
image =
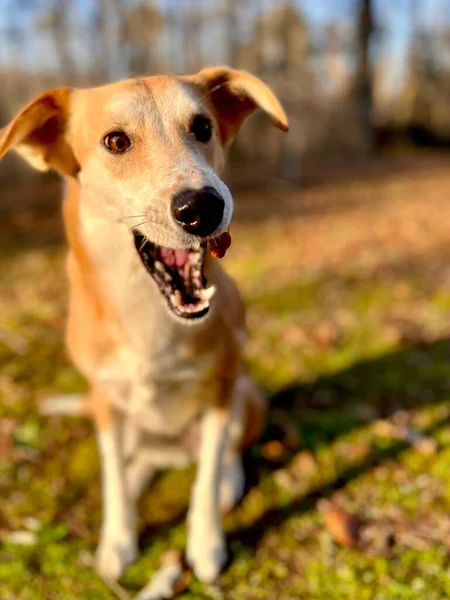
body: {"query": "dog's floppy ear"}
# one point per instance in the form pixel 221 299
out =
pixel 234 96
pixel 38 133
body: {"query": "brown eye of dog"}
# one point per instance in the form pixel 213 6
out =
pixel 202 128
pixel 117 142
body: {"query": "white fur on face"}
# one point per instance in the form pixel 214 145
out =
pixel 137 187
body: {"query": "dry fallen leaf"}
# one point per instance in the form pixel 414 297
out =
pixel 325 335
pixel 343 526
pixel 219 246
pixel 304 464
pixel 273 451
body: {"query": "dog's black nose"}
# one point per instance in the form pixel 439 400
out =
pixel 199 212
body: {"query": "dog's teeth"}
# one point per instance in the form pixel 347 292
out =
pixel 167 276
pixel 159 266
pixel 193 257
pixel 208 293
pixel 175 298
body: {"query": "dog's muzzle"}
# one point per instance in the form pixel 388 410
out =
pixel 179 272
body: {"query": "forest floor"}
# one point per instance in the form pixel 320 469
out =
pixel 348 293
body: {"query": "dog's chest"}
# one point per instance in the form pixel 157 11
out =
pixel 170 384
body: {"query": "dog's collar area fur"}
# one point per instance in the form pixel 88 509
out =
pixel 179 276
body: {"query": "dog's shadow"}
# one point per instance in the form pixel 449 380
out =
pixel 314 415
pixel 411 377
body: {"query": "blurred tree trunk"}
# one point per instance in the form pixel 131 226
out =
pixel 101 26
pixel 57 21
pixel 145 25
pixel 231 7
pixel 364 82
pixel 418 54
pixel 192 31
pixel 121 68
pixel 173 41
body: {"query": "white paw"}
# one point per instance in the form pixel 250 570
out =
pixel 206 552
pixel 232 485
pixel 113 556
pixel 163 583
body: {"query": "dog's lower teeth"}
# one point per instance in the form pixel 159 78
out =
pixel 176 299
pixel 208 293
pixel 180 281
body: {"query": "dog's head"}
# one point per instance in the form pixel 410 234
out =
pixel 147 153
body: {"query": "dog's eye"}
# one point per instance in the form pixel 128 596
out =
pixel 117 142
pixel 201 127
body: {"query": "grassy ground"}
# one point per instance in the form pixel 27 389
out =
pixel 348 291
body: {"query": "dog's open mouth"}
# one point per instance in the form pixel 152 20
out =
pixel 179 275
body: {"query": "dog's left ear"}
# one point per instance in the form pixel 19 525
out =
pixel 38 133
pixel 234 96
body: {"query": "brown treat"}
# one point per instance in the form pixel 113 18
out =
pixel 219 246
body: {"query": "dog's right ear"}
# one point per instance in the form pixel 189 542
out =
pixel 38 133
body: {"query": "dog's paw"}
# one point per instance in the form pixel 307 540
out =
pixel 113 557
pixel 232 485
pixel 206 553
pixel 164 582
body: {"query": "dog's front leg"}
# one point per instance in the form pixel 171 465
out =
pixel 206 551
pixel 118 545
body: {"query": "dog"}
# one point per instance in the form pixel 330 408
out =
pixel 155 325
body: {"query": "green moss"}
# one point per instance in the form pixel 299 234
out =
pixel 335 351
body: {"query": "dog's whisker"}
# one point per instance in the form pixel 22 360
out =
pixel 211 91
pixel 143 223
pixel 152 222
pixel 156 210
pixel 144 241
pixel 150 209
pixel 130 217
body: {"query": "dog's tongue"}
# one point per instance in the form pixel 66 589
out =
pixel 181 257
pixel 219 246
pixel 174 257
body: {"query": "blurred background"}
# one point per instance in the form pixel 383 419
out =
pixel 357 77
pixel 341 248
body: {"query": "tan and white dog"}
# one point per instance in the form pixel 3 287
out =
pixel 155 325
